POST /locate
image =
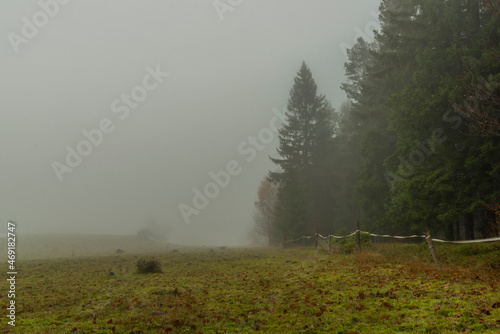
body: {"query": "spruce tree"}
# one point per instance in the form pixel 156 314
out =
pixel 447 175
pixel 304 144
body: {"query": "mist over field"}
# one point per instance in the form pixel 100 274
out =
pixel 114 113
pixel 235 122
pixel 234 166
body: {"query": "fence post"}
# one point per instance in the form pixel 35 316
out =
pixel 358 238
pixel 330 242
pixel 316 241
pixel 432 249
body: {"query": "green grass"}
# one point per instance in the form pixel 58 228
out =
pixel 477 258
pixel 387 288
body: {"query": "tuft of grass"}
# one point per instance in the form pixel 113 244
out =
pixel 369 257
pixel 150 266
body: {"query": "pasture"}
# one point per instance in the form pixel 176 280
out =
pixel 384 289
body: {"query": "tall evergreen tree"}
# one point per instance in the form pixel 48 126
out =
pixel 371 79
pixel 402 89
pixel 305 141
pixel 444 176
pixel 432 71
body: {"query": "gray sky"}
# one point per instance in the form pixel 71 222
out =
pixel 74 70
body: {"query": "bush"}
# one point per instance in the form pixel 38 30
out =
pixel 148 266
pixel 347 245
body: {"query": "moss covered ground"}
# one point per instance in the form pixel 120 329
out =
pixel 384 289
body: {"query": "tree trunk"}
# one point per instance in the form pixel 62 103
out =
pixel 449 231
pixel 469 226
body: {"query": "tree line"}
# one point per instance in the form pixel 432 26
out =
pixel 415 147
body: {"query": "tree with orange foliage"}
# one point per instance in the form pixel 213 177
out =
pixel 264 212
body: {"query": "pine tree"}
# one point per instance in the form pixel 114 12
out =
pixel 372 78
pixel 304 149
pixel 448 176
pixel 307 125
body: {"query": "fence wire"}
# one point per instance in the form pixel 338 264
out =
pixel 393 236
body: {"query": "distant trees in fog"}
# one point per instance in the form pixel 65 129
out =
pixel 154 231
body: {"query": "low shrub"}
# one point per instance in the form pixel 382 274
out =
pixel 148 266
pixel 348 245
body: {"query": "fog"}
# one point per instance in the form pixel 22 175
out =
pixel 157 95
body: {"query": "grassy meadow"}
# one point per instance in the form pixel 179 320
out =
pixel 386 288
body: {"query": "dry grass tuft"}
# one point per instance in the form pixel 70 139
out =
pixel 148 266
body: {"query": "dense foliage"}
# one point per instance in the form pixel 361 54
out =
pixel 417 145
